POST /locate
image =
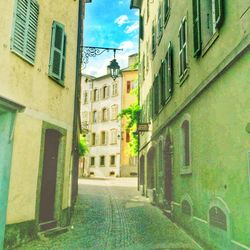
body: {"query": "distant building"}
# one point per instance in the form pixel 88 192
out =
pixel 129 82
pixel 102 101
pixel 39 68
pixel 194 92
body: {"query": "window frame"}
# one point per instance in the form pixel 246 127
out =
pixel 102 157
pixel 92 165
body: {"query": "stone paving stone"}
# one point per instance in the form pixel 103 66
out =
pixel 111 214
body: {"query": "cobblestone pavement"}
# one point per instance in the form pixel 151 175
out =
pixel 111 214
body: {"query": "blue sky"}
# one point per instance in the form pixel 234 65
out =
pixel 110 23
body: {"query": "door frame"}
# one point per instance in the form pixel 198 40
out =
pixel 59 174
pixel 8 111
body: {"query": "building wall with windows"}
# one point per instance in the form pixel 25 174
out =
pixel 194 162
pixel 101 103
pixel 128 162
pixel 38 77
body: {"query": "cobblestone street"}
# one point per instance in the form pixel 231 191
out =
pixel 111 214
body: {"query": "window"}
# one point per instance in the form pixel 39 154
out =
pixel 114 112
pixel 186 208
pixel 153 38
pixel 168 74
pixel 127 136
pixel 196 27
pixel 105 92
pixel 95 95
pixel 218 218
pixel 160 26
pixel 104 138
pixel 57 53
pixel 114 89
pixel 128 86
pixel 93 139
pixel 185 128
pixel 104 114
pixel 166 10
pixel 156 97
pixel 94 116
pixel 112 160
pixel 85 97
pixel 113 136
pixel 183 48
pixel 92 161
pixel 23 40
pixel 102 161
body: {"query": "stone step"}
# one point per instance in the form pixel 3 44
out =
pixel 53 231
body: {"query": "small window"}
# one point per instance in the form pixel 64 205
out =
pixel 217 218
pixel 113 136
pixel 95 97
pixel 160 26
pixel 185 127
pixel 112 160
pixel 114 89
pixel 93 139
pixel 186 208
pixel 57 53
pixel 94 118
pixel 127 136
pixel 23 41
pixel 92 161
pixel 105 92
pixel 102 161
pixel 156 97
pixel 104 114
pixel 183 48
pixel 85 97
pixel 114 112
pixel 103 138
pixel 128 86
pixel 141 27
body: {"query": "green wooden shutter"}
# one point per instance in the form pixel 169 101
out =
pixel 162 84
pixel 141 27
pixel 166 10
pixel 170 68
pixel 219 13
pixel 153 37
pixel 24 35
pixel 196 28
pixel 57 53
pixel 180 50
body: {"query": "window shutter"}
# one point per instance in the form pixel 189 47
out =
pixel 219 13
pixel 170 68
pixel 166 9
pixel 196 28
pixel 108 114
pixel 58 52
pixel 153 37
pixel 108 91
pixel 25 29
pixel 141 28
pixel 162 84
pixel 180 52
pixel 97 139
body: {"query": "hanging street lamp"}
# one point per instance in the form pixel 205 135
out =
pixel 114 67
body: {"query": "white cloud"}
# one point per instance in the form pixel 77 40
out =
pixel 127 45
pixel 132 27
pixel 121 20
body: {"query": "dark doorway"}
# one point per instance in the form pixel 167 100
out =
pixel 150 169
pixel 49 177
pixel 168 170
pixel 142 172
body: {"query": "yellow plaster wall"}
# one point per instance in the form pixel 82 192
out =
pixel 45 100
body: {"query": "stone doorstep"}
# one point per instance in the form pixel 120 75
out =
pixel 53 232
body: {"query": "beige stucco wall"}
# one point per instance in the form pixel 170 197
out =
pixel 45 100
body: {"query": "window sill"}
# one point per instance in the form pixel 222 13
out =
pixel 112 166
pixel 59 82
pixel 186 170
pixel 92 166
pixel 32 63
pixel 211 41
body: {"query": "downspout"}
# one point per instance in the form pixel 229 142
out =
pixel 76 118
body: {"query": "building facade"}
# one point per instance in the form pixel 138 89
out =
pixel 101 104
pixel 129 83
pixel 39 65
pixel 194 162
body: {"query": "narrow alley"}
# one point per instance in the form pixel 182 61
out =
pixel 111 214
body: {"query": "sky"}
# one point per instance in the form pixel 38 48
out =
pixel 110 23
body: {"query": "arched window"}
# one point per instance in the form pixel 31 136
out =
pixel 104 114
pixel 105 92
pixel 185 132
pixel 218 218
pixel 114 111
pixel 95 97
pixel 94 118
pixel 186 207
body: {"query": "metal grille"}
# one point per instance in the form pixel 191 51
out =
pixel 218 218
